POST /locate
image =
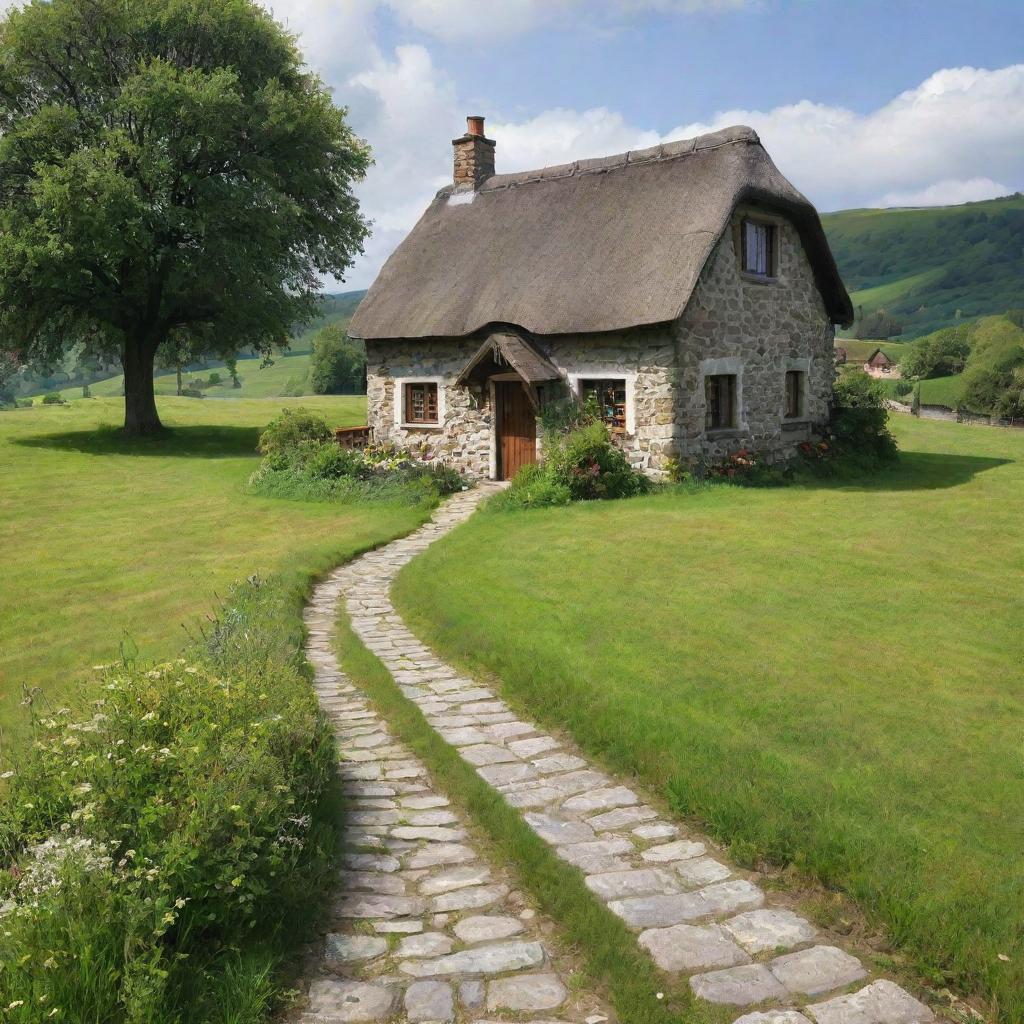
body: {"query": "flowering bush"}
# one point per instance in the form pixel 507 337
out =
pixel 303 461
pixel 180 818
pixel 580 463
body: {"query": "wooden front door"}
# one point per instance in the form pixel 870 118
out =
pixel 517 428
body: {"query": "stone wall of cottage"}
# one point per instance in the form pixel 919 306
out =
pixel 644 357
pixel 463 438
pixel 758 330
pixel 732 324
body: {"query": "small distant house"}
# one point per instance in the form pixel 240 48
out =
pixel 688 288
pixel 878 364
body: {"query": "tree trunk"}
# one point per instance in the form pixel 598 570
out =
pixel 140 415
pixel 179 380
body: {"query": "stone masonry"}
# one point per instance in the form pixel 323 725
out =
pixel 698 916
pixel 424 928
pixel 733 324
pixel 763 330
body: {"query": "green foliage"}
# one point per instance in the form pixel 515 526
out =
pixel 337 366
pixel 304 462
pixel 902 387
pixel 53 398
pixel 929 268
pixel 937 355
pixel 168 172
pixel 533 487
pixel 214 379
pixel 859 425
pixel 977 361
pixel 181 819
pixel 996 387
pixel 284 433
pixel 580 463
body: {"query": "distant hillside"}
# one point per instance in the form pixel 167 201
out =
pixel 337 309
pixel 929 267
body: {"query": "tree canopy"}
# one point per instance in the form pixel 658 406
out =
pixel 337 366
pixel 169 170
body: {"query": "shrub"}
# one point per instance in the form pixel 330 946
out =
pixel 859 423
pixel 291 427
pixel 214 379
pixel 580 463
pixel 586 461
pixel 183 818
pixel 53 398
pixel 300 463
pixel 997 388
pixel 902 387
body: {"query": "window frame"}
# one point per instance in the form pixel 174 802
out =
pixel 800 376
pixel 718 424
pixel 771 229
pixel 406 416
pixel 618 422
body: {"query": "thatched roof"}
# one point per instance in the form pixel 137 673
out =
pixel 595 245
pixel 504 348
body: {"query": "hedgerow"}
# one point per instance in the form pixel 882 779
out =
pixel 156 850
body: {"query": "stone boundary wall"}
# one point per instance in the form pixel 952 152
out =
pixel 943 412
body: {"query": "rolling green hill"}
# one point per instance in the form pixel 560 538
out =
pixel 929 267
pixel 286 376
pixel 68 377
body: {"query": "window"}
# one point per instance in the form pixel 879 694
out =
pixel 720 401
pixel 758 248
pixel 795 381
pixel 421 403
pixel 610 396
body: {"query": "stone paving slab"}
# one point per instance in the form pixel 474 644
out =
pixel 423 928
pixel 695 914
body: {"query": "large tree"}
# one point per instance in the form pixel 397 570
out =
pixel 168 168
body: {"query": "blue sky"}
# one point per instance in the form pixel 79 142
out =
pixel 859 103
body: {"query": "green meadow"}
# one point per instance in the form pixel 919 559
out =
pixel 287 372
pixel 110 541
pixel 826 676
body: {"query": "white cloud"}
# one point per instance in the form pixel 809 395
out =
pixel 947 193
pixel 558 136
pixel 956 137
pixel 959 125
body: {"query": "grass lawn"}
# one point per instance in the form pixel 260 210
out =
pixel 257 381
pixel 942 390
pixel 828 675
pixel 106 539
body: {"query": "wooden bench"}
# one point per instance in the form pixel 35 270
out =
pixel 352 437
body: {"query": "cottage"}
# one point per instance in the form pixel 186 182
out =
pixel 878 364
pixel 688 288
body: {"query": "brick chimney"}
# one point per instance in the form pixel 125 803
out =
pixel 474 154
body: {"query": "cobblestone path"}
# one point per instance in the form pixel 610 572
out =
pixel 424 929
pixel 695 914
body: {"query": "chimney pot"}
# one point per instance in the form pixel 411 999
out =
pixel 474 154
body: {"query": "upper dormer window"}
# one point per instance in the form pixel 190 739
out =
pixel 758 250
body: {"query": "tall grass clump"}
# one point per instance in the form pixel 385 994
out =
pixel 301 461
pixel 157 850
